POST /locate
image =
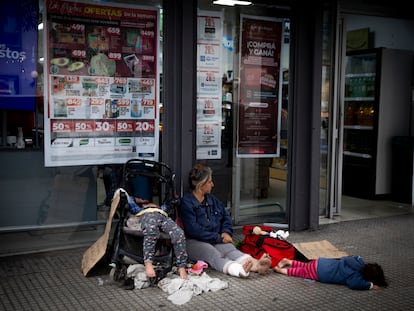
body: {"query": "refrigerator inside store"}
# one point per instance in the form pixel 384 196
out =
pixel 377 107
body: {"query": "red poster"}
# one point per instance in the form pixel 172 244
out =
pixel 260 48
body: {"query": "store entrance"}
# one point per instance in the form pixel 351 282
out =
pixel 364 163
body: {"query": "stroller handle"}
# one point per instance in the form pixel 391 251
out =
pixel 156 171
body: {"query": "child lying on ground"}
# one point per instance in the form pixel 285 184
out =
pixel 348 270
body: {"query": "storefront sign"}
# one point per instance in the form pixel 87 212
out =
pixel 18 54
pixel 260 88
pixel 209 85
pixel 103 83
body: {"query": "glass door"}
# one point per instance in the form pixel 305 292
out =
pixel 250 164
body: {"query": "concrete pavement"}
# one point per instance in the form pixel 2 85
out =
pixel 53 280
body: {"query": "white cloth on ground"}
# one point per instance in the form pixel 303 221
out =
pixel 181 291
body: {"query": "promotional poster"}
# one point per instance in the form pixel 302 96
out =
pixel 102 69
pixel 209 85
pixel 260 87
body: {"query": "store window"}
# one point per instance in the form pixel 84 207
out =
pixel 242 105
pixel 19 96
pixel 62 62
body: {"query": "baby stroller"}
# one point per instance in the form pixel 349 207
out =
pixel 152 181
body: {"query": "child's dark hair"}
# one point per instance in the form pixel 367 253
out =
pixel 373 272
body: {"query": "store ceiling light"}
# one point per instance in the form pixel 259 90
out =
pixel 231 2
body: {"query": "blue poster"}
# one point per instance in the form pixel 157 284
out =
pixel 18 54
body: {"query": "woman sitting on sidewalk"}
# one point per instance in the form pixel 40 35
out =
pixel 208 229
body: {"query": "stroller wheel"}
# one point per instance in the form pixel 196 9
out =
pixel 113 274
pixel 117 274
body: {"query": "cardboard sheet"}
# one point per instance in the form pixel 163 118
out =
pixel 95 253
pixel 314 250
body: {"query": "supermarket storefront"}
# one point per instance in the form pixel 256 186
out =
pixel 175 81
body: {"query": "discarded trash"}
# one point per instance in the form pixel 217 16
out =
pixel 102 282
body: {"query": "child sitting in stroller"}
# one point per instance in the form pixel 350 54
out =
pixel 153 219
